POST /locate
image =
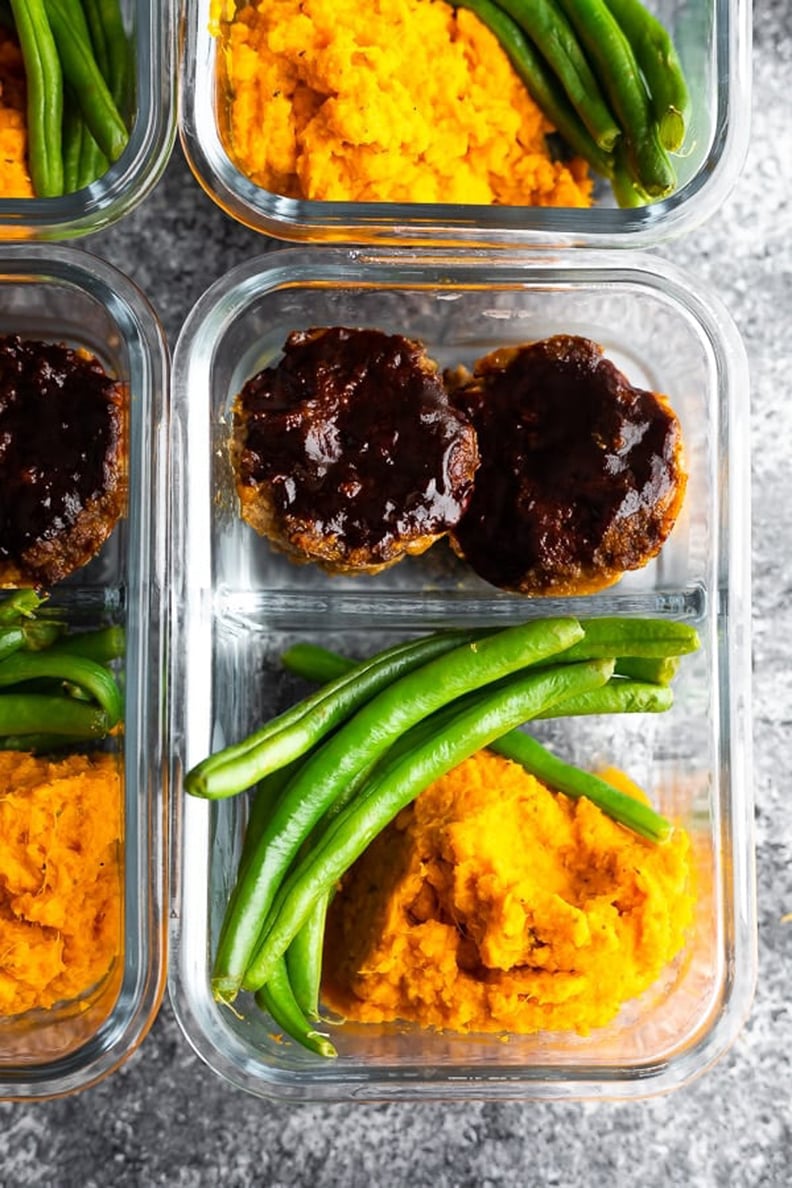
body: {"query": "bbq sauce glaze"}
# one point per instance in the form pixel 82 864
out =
pixel 60 422
pixel 354 433
pixel 580 476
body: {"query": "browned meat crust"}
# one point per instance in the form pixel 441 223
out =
pixel 63 460
pixel 581 476
pixel 348 452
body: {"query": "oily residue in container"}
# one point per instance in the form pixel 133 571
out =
pixel 492 904
pixel 388 101
pixel 60 878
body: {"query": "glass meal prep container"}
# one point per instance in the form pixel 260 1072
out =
pixel 150 26
pixel 713 38
pixel 58 295
pixel 236 605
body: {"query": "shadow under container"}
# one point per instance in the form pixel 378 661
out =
pixel 62 295
pixel 151 29
pixel 237 605
pixel 713 39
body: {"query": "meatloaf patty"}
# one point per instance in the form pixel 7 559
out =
pixel 348 452
pixel 62 460
pixel 581 474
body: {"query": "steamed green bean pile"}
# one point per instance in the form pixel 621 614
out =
pixel 336 768
pixel 56 689
pixel 78 71
pixel 607 76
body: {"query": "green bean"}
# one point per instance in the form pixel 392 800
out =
pixel 636 815
pixel 277 999
pixel 619 696
pixel 111 50
pixel 623 636
pixel 41 633
pixel 44 82
pixel 359 742
pixel 107 24
pixel 655 54
pixel 603 636
pixel 102 645
pixel 610 52
pixel 646 692
pixel 11 640
pixel 292 733
pixel 315 663
pixel 285 998
pixel 380 669
pixel 541 83
pixel 656 671
pixel 73 134
pixel 84 76
pixel 627 191
pixel 615 697
pixel 19 627
pixel 93 163
pixel 96 680
pixel 76 14
pixel 117 41
pixel 368 814
pixel 262 806
pixel 22 603
pixel 98 36
pixel 38 713
pixel 551 33
pixel 304 959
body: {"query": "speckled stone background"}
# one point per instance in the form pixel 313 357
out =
pixel 165 1119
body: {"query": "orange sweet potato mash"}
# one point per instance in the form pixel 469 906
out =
pixel 14 175
pixel 60 879
pixel 492 904
pixel 387 101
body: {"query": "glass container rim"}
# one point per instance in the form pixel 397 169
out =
pixel 126 1026
pixel 456 224
pixel 140 166
pixel 360 268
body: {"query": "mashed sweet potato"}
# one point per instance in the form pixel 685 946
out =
pixel 60 881
pixel 493 904
pixel 387 101
pixel 14 176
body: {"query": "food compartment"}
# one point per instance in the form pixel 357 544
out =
pixel 238 606
pixel 713 43
pixel 136 66
pixel 59 296
pixel 240 327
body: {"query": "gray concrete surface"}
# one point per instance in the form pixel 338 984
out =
pixel 165 1119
